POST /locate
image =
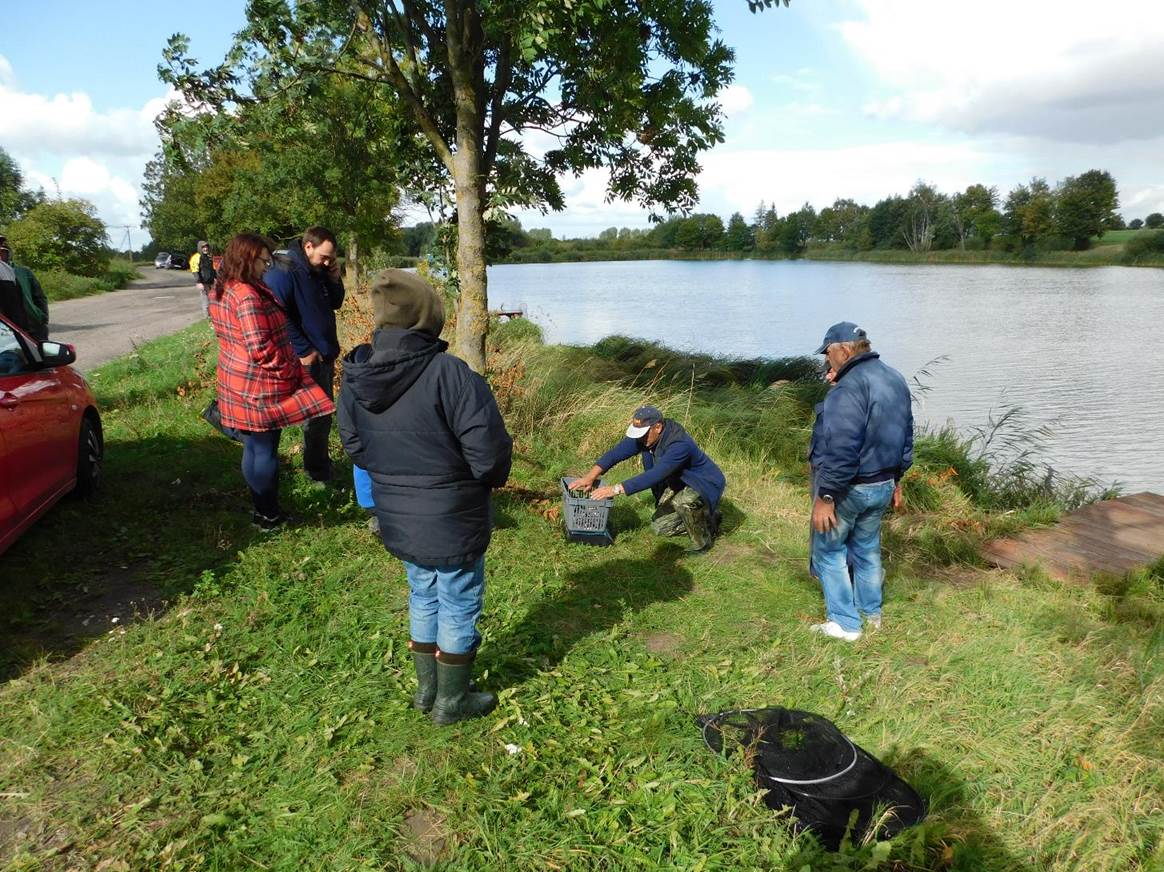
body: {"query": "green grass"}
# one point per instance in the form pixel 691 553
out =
pixel 59 285
pixel 262 720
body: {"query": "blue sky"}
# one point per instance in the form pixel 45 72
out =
pixel 852 98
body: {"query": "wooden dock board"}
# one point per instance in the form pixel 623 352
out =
pixel 1114 536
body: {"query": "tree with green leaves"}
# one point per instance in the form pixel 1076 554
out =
pixel 1085 206
pixel 1135 223
pixel 15 200
pixel 738 236
pixel 699 232
pixel 974 213
pixel 626 86
pixel 1029 214
pixel 796 230
pixel 61 234
pixel 1154 221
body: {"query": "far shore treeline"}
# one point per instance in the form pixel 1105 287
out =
pixel 1035 222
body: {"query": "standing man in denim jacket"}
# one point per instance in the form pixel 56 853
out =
pixel 862 445
pixel 307 283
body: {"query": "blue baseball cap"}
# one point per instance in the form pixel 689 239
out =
pixel 644 418
pixel 845 331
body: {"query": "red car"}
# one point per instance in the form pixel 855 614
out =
pixel 50 433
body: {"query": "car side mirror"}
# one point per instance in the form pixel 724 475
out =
pixel 57 354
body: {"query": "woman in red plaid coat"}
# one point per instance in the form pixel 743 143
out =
pixel 262 386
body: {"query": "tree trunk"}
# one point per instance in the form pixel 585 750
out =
pixel 473 304
pixel 353 264
pixel 467 68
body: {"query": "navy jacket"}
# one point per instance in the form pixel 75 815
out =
pixel 428 431
pixel 674 461
pixel 864 431
pixel 310 299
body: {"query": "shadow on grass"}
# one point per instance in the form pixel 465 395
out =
pixel 952 837
pixel 591 600
pixel 169 510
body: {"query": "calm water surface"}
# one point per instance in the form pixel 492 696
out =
pixel 1080 350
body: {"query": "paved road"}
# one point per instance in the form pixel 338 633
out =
pixel 106 326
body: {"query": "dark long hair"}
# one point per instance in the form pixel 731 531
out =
pixel 238 261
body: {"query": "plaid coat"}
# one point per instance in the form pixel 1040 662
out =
pixel 261 383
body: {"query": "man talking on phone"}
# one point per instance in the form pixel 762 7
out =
pixel 307 282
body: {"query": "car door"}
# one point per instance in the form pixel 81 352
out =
pixel 8 515
pixel 38 425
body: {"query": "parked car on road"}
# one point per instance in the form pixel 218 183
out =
pixel 178 261
pixel 51 440
pixel 162 261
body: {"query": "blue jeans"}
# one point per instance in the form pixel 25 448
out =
pixel 857 540
pixel 445 604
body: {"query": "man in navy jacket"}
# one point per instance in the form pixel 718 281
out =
pixel 307 282
pixel 862 444
pixel 686 483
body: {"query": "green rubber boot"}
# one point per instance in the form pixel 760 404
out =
pixel 455 701
pixel 424 658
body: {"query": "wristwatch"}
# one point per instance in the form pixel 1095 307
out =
pixel 828 498
pixel 619 489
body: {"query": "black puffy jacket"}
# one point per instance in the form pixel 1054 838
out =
pixel 428 431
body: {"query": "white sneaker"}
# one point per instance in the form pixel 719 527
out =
pixel 832 628
pixel 873 621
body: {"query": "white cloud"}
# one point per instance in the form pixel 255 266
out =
pixel 735 100
pixel 1065 70
pixel 62 142
pixel 787 178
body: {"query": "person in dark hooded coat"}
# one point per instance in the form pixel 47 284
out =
pixel 428 431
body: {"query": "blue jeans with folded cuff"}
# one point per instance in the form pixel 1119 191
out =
pixel 445 604
pixel 856 539
pixel 362 482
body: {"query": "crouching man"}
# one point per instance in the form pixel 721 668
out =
pixel 428 431
pixel 686 483
pixel 862 444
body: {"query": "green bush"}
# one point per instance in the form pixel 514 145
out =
pixel 60 285
pixel 1145 245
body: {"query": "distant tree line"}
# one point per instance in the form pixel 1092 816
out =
pixel 1033 217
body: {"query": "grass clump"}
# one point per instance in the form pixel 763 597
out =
pixel 260 717
pixel 60 285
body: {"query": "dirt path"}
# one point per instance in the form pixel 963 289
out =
pixel 106 326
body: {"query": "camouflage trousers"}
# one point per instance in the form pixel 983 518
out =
pixel 684 513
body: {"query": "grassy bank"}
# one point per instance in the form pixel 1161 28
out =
pixel 260 718
pixel 59 285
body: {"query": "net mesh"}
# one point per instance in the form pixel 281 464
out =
pixel 805 763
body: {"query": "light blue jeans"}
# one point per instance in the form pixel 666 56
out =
pixel 445 603
pixel 857 540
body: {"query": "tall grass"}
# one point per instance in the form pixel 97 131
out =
pixel 60 285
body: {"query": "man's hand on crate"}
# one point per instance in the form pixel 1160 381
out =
pixel 605 493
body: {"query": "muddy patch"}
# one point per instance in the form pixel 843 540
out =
pixel 663 644
pixel 424 836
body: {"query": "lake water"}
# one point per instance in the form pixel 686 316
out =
pixel 1079 350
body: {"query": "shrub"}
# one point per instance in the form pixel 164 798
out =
pixel 1146 245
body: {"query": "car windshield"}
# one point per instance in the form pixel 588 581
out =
pixel 162 254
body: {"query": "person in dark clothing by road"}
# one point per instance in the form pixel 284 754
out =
pixel 20 293
pixel 427 430
pixel 307 282
pixel 204 264
pixel 686 483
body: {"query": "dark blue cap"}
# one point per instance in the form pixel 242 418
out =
pixel 845 331
pixel 642 420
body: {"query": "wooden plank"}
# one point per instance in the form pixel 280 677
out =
pixel 1149 502
pixel 1111 536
